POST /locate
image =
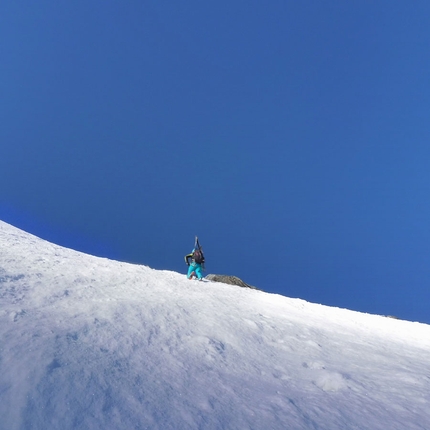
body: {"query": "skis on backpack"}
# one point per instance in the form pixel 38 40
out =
pixel 198 252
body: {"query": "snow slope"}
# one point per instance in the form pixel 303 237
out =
pixel 90 343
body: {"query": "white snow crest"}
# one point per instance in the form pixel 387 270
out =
pixel 90 343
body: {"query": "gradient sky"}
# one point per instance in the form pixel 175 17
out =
pixel 293 137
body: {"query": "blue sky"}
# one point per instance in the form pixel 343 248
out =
pixel 291 137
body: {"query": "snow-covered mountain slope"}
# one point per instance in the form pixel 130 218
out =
pixel 89 343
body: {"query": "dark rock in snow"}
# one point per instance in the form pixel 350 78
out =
pixel 232 280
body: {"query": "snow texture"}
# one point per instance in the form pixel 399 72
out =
pixel 90 343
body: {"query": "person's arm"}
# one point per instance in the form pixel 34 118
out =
pixel 187 257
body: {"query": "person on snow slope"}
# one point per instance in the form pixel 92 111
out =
pixel 195 261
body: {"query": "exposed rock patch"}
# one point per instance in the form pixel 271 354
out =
pixel 232 280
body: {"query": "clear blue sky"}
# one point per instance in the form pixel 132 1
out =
pixel 293 137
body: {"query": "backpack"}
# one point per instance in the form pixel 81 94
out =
pixel 198 256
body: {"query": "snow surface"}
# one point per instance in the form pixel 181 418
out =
pixel 90 343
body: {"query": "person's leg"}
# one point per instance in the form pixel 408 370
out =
pixel 190 271
pixel 198 270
